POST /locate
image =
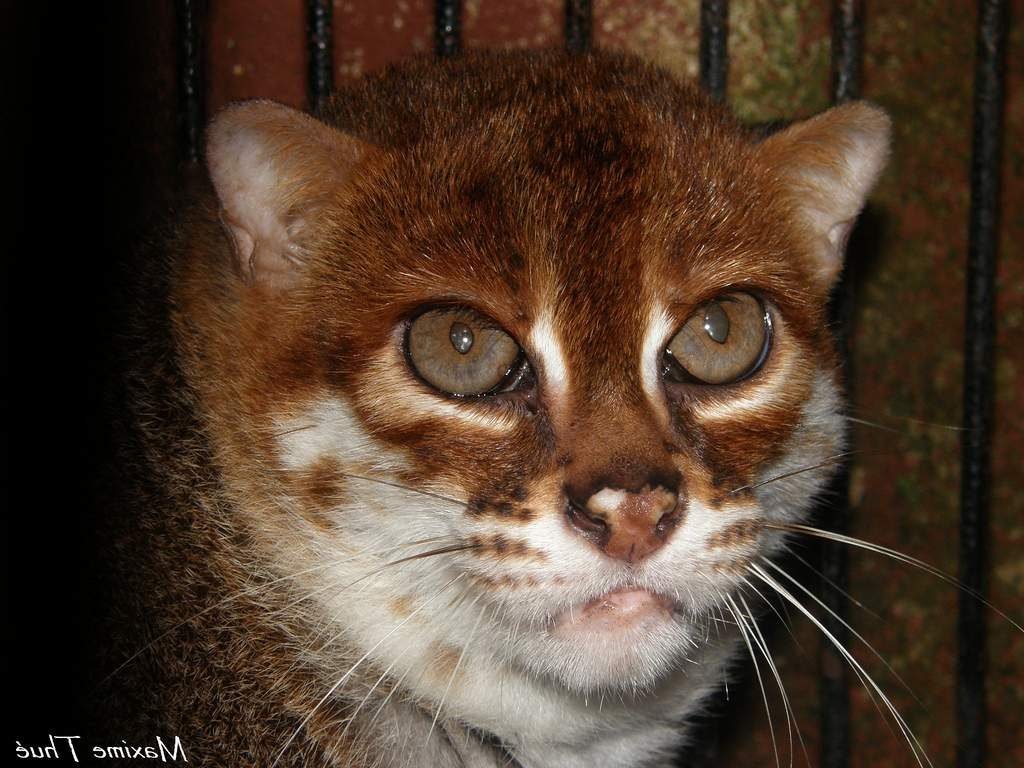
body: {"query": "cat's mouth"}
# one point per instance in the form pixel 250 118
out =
pixel 621 610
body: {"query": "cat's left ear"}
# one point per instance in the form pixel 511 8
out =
pixel 273 167
pixel 828 165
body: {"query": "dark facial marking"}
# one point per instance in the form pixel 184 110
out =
pixel 737 534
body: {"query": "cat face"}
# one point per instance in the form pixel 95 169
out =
pixel 522 390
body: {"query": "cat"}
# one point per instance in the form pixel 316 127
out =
pixel 465 416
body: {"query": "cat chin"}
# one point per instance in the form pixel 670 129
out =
pixel 609 652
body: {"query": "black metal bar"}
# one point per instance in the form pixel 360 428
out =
pixel 847 49
pixel 834 680
pixel 714 47
pixel 448 27
pixel 578 25
pixel 982 250
pixel 320 41
pixel 191 94
pixel 714 71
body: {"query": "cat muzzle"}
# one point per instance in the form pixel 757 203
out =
pixel 626 526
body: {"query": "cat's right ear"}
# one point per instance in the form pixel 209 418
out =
pixel 272 167
pixel 827 166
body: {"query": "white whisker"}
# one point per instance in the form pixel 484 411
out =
pixel 912 741
pixel 826 462
pixel 735 611
pixel 836 587
pixel 362 703
pixel 256 589
pixel 783 620
pixel 397 685
pixel 791 721
pixel 895 555
pixel 838 618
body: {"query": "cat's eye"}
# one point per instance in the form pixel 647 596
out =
pixel 723 341
pixel 462 353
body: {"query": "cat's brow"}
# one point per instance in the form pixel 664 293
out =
pixel 546 346
pixel 656 336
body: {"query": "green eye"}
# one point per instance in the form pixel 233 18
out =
pixel 460 352
pixel 723 341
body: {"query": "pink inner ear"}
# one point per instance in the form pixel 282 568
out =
pixel 243 244
pixel 267 162
pixel 249 186
pixel 831 256
pixel 263 260
pixel 839 235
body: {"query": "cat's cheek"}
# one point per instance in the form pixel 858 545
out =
pixel 787 487
pixel 323 427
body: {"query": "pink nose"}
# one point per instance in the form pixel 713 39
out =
pixel 625 525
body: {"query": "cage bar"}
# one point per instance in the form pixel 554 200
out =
pixel 320 42
pixel 983 239
pixel 714 47
pixel 714 69
pixel 578 25
pixel 191 87
pixel 834 677
pixel 847 49
pixel 447 27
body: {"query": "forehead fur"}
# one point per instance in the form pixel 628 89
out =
pixel 590 186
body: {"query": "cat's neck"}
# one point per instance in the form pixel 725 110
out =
pixel 519 721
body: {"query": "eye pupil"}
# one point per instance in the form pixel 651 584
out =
pixel 461 336
pixel 459 352
pixel 723 341
pixel 716 322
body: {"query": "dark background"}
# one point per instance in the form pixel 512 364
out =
pixel 72 221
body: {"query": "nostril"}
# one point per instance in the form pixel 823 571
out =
pixel 667 521
pixel 587 523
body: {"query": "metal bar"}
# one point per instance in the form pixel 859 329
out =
pixel 982 249
pixel 714 71
pixel 320 41
pixel 191 95
pixel 578 25
pixel 448 27
pixel 847 49
pixel 714 47
pixel 834 682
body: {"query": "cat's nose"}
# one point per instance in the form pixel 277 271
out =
pixel 626 525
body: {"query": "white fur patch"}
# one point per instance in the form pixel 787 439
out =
pixel 606 501
pixel 547 349
pixel 329 428
pixel 543 699
pixel 657 336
